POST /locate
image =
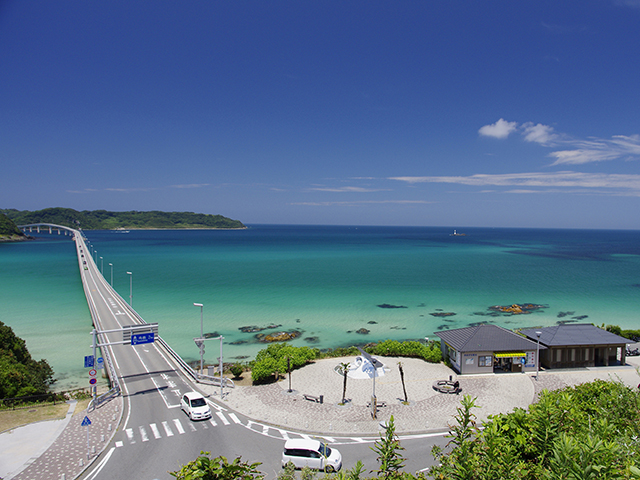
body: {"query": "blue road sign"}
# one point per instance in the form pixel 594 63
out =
pixel 86 422
pixel 142 338
pixel 88 361
pixel 100 363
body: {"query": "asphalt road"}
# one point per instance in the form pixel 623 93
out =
pixel 156 437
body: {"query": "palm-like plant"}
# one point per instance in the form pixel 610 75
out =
pixel 344 369
pixel 404 389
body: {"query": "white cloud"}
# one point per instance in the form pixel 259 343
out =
pixel 345 189
pixel 192 185
pixel 500 129
pixel 537 179
pixel 598 150
pixel 572 151
pixel 358 203
pixel 542 134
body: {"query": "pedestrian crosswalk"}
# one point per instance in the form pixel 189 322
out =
pixel 174 428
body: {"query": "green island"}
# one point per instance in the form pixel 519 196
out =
pixel 9 232
pixel 105 220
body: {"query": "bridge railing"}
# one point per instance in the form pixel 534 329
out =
pixel 186 368
pixel 113 377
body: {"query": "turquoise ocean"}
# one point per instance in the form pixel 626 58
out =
pixel 325 282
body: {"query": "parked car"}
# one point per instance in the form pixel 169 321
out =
pixel 195 406
pixel 311 453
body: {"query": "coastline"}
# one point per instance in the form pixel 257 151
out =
pixel 15 238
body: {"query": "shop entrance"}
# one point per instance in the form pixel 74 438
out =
pixel 507 362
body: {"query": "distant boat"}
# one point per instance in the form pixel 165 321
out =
pixel 456 234
pixel 121 230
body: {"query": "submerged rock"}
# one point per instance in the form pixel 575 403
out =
pixel 362 331
pixel 387 305
pixel 442 314
pixel 517 309
pixel 255 328
pixel 278 337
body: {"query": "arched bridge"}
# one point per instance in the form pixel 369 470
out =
pixel 50 226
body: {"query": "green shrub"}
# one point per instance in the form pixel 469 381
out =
pixel 274 359
pixel 413 349
pixel 236 370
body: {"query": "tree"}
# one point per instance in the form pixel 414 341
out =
pixel 219 468
pixel 344 369
pixel 388 450
pixel 404 389
pixel 21 375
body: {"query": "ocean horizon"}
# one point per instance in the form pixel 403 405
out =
pixel 333 286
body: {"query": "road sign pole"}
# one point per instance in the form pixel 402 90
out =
pixel 95 388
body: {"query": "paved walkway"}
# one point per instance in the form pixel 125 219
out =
pixel 58 449
pixel 428 410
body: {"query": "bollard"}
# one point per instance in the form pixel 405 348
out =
pixel 63 477
pixel 102 438
pixel 109 428
pixel 114 417
pixel 80 463
pixel 93 450
pixel 321 398
pixel 116 408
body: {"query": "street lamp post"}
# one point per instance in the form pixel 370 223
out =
pixel 201 337
pixel 101 266
pixel 538 333
pixel 111 265
pixel 130 288
pixel 221 364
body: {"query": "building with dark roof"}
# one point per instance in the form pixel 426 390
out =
pixel 578 345
pixel 488 348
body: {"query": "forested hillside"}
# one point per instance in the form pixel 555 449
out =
pixel 8 229
pixel 20 375
pixel 104 220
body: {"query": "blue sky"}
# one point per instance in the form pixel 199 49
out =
pixel 436 113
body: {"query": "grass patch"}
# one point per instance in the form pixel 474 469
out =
pixel 37 413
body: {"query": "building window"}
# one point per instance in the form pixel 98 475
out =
pixel 485 361
pixel 573 354
pixel 559 355
pixel 453 355
pixel 586 354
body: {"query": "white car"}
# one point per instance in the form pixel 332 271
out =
pixel 311 453
pixel 195 406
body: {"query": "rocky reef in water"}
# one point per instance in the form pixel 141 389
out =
pixel 278 337
pixel 255 328
pixel 517 308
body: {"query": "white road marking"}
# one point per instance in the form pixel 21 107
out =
pixel 234 418
pixel 284 434
pixel 212 422
pixel 156 432
pixel 167 429
pixel 103 462
pixel 119 444
pixel 178 425
pixel 143 434
pixel 129 433
pixel 192 427
pixel 223 418
pixel 265 430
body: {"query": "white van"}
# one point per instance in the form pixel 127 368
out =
pixel 312 454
